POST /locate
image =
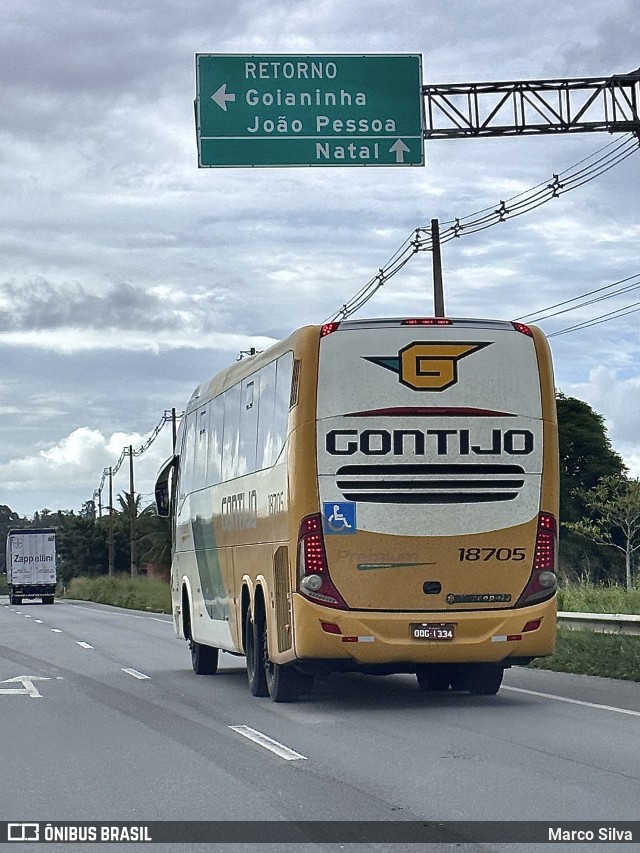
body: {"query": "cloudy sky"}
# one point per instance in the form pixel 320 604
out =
pixel 128 275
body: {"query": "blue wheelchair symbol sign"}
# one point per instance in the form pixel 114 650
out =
pixel 339 517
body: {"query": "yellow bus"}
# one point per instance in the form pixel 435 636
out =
pixel 378 496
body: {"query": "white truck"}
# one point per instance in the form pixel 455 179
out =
pixel 31 564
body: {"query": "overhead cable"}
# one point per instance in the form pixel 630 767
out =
pixel 546 313
pixel 166 417
pixel 583 172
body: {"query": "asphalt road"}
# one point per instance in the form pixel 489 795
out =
pixel 111 724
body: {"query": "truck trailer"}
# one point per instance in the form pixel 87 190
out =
pixel 31 564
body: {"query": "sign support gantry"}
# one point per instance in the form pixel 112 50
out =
pixel 579 105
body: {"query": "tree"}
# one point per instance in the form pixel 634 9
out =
pixel 8 520
pixel 586 455
pixel 154 539
pixel 81 545
pixel 130 510
pixel 614 517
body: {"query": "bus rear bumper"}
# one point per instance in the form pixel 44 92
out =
pixel 370 639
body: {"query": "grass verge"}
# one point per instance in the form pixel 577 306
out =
pixel 591 598
pixel 140 593
pixel 591 653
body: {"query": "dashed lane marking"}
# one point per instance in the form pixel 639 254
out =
pixel 135 673
pixel 268 743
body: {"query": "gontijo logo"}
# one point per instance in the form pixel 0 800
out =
pixel 426 366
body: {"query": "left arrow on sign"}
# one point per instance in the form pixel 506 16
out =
pixel 221 97
pixel 28 687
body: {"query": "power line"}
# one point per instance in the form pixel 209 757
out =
pixel 603 318
pixel 592 166
pixel 167 417
pixel 541 314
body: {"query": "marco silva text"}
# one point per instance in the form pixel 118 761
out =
pixel 597 835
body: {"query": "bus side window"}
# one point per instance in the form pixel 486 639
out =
pixel 214 459
pixel 187 457
pixel 284 373
pixel 201 449
pixel 248 425
pixel 266 408
pixel 231 433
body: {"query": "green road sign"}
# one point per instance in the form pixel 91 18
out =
pixel 290 110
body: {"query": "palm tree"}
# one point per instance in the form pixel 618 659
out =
pixel 154 539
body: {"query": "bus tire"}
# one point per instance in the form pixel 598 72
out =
pixel 47 599
pixel 484 679
pixel 204 659
pixel 254 652
pixel 433 678
pixel 284 682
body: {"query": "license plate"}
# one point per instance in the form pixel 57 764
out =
pixel 433 631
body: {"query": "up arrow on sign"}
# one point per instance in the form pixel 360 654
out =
pixel 399 148
pixel 28 687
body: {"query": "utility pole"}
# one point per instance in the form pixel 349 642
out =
pixel 174 431
pixel 438 290
pixel 132 520
pixel 111 520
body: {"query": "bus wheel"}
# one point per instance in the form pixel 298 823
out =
pixel 254 652
pixel 433 678
pixel 284 681
pixel 484 679
pixel 204 659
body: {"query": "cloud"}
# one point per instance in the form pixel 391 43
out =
pixel 67 473
pixel 618 400
pixel 128 275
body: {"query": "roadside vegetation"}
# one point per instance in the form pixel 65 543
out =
pixel 590 653
pixel 596 598
pixel 138 593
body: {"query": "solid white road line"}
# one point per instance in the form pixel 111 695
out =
pixel 574 701
pixel 135 673
pixel 168 621
pixel 272 745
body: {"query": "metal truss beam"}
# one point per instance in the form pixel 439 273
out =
pixel 581 105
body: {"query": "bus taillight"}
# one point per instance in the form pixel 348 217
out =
pixel 522 328
pixel 426 321
pixel 314 581
pixel 328 329
pixel 543 581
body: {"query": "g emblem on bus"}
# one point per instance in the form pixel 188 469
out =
pixel 428 366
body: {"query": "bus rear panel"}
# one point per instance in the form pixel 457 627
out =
pixel 437 482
